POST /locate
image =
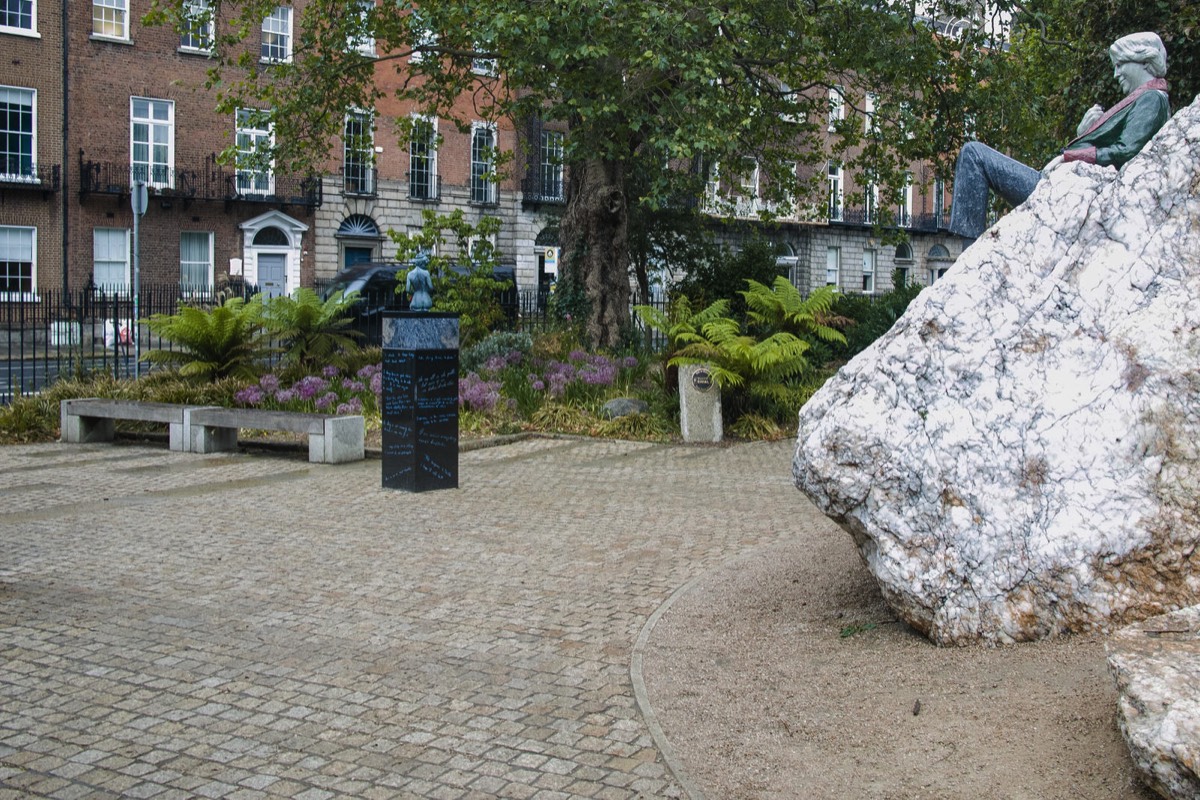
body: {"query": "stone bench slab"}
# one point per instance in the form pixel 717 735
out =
pixel 331 439
pixel 92 419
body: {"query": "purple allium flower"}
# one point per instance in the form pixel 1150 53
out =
pixel 351 385
pixel 309 387
pixel 629 362
pixel 537 383
pixel 269 383
pixel 330 371
pixel 558 383
pixel 577 355
pixel 477 394
pixel 325 400
pixel 367 372
pixel 377 383
pixel 351 406
pixel 285 396
pixel 250 396
pixel 598 374
pixel 495 364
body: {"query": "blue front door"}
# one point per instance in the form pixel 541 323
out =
pixel 357 255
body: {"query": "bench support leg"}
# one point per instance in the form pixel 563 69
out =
pixel 212 440
pixel 341 442
pixel 78 430
pixel 178 441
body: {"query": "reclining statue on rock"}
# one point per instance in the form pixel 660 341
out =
pixel 1108 138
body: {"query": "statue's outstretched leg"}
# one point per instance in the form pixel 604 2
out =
pixel 979 169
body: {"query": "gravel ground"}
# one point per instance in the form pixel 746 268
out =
pixel 783 674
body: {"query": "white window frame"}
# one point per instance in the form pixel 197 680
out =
pixel 837 106
pixel 7 231
pixel 119 10
pixel 904 210
pixel 208 264
pixel 278 26
pixel 19 30
pixel 248 139
pixel 870 126
pixel 939 201
pixel 483 164
pixel 870 263
pixel 835 207
pixel 198 14
pixel 748 181
pixel 111 233
pixel 833 266
pixel 358 157
pixel 21 176
pixel 159 174
pixel 552 164
pixel 712 184
pixel 871 202
pixel 363 44
pixel 430 156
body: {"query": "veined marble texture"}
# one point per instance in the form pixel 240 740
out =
pixel 1018 456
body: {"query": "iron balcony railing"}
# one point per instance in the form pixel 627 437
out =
pixel 890 219
pixel 211 181
pixel 35 177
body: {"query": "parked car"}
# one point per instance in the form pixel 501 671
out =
pixel 376 285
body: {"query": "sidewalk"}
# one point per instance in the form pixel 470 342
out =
pixel 174 625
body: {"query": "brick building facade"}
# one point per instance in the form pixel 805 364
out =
pixel 132 107
pixel 31 150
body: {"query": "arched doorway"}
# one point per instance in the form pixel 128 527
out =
pixel 546 244
pixel 359 241
pixel 271 252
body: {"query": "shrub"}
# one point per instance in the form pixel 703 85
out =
pixel 29 419
pixel 494 344
pixel 220 343
pixel 633 426
pixel 313 332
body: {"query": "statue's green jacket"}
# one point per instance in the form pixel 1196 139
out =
pixel 1123 130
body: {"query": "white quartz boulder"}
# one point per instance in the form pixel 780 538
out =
pixel 1156 666
pixel 1017 457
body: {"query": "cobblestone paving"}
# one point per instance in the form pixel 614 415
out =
pixel 174 625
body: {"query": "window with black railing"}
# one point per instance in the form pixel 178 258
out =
pixel 422 161
pixel 359 154
pixel 552 165
pixel 483 165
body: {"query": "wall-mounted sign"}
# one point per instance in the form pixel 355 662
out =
pixel 550 260
pixel 702 380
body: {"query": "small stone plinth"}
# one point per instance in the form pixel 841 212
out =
pixel 699 405
pixel 1156 666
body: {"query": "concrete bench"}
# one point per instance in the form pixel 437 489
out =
pixel 93 419
pixel 331 439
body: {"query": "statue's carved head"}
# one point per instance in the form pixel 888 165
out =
pixel 1143 48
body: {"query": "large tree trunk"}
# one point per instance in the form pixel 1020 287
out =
pixel 595 249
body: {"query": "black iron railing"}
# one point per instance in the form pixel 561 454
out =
pixel 85 331
pixel 34 177
pixel 210 181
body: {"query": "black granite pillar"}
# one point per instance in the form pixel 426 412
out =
pixel 420 401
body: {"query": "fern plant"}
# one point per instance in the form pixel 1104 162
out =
pixel 313 332
pixel 679 323
pixel 765 374
pixel 781 307
pixel 221 343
